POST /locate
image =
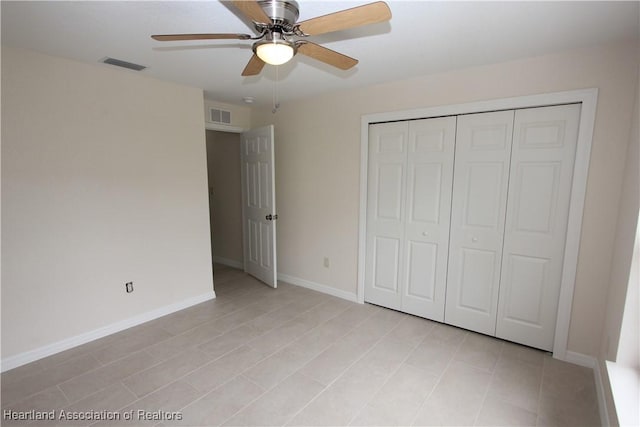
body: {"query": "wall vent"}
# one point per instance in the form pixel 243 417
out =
pixel 219 116
pixel 123 64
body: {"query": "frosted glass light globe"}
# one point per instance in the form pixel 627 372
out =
pixel 275 53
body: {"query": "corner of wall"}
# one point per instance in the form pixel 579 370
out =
pixel 600 382
pixel 619 277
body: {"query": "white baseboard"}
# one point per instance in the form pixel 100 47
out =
pixel 592 362
pixel 580 359
pixel 318 287
pixel 228 262
pixel 602 399
pixel 56 347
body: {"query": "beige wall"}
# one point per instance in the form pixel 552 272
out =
pixel 318 164
pixel 223 160
pixel 625 234
pixel 103 182
pixel 621 302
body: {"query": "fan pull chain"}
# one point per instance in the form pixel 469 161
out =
pixel 276 103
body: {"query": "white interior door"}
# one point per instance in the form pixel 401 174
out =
pixel 259 204
pixel 409 203
pixel 543 154
pixel 387 174
pixel 483 149
pixel 428 209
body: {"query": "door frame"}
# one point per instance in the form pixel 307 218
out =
pixel 588 98
pixel 219 260
pixel 240 131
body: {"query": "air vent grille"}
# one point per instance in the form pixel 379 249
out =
pixel 123 64
pixel 220 116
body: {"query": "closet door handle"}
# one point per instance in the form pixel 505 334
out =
pixel 474 239
pixel 425 233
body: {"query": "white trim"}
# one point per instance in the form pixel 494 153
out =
pixel 592 363
pixel 228 262
pixel 362 222
pixel 223 128
pixel 65 344
pixel 349 296
pixel 574 226
pixel 579 359
pixel 588 98
pixel 602 400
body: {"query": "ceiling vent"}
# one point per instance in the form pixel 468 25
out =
pixel 219 116
pixel 123 64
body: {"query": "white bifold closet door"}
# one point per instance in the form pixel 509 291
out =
pixel 542 160
pixel 483 152
pixel 512 188
pixel 473 208
pixel 410 174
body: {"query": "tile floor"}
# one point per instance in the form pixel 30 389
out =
pixel 291 356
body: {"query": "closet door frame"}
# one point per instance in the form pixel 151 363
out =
pixel 588 99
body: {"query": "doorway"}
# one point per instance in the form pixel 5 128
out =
pixel 225 197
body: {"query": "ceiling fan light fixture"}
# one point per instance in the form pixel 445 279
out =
pixel 275 50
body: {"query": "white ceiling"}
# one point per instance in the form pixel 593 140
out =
pixel 423 37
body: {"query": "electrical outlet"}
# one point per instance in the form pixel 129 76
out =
pixel 128 287
pixel 326 262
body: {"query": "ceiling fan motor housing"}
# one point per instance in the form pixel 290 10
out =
pixel 282 12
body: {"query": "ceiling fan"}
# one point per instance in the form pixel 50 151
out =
pixel 276 23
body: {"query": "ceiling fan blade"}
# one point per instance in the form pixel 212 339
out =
pixel 371 13
pixel 176 37
pixel 252 10
pixel 254 66
pixel 326 55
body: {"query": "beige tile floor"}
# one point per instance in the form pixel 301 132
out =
pixel 291 356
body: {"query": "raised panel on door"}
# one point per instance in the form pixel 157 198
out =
pixel 543 154
pixel 386 256
pixel 385 213
pixel 428 209
pixel 481 176
pixel 477 281
pixel 258 201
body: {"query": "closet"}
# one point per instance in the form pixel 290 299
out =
pixel 467 218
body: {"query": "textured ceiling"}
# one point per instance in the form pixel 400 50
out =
pixel 423 37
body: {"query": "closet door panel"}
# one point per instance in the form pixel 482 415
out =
pixel 386 194
pixel 421 271
pixel 429 181
pixel 537 213
pixel 477 279
pixel 386 255
pixel 482 158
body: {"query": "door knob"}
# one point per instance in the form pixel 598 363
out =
pixel 474 239
pixel 425 233
pixel 271 217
